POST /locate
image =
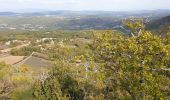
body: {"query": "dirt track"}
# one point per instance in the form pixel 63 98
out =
pixel 17 47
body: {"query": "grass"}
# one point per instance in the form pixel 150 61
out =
pixel 22 93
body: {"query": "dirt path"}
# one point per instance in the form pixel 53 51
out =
pixel 17 47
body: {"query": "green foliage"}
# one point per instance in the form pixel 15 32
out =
pixel 22 94
pixel 5 85
pixel 59 86
pixel 132 64
pixel 14 85
pixel 25 51
pixel 135 26
pixel 119 67
pixel 112 67
pixel 70 81
pixel 4 70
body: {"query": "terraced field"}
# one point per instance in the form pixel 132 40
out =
pixel 35 62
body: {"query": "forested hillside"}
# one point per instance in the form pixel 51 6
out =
pixel 84 49
pixel 106 65
pixel 161 26
pixel 86 64
pixel 113 67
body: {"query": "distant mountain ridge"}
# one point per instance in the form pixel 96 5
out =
pixel 159 22
pixel 8 13
pixel 160 26
pixel 79 13
pixel 72 20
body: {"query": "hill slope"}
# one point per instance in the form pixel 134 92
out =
pixel 160 26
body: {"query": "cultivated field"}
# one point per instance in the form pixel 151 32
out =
pixel 11 59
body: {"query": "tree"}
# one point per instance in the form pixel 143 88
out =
pixel 116 67
pixel 132 64
pixel 136 26
pixel 60 85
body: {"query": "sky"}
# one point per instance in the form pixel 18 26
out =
pixel 78 5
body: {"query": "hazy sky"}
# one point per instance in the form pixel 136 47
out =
pixel 107 5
